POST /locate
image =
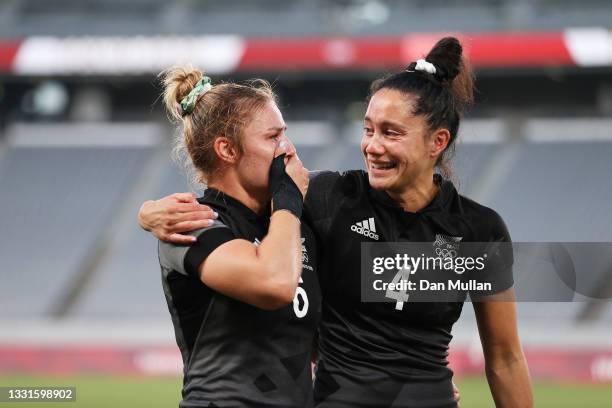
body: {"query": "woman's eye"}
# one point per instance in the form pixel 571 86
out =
pixel 368 130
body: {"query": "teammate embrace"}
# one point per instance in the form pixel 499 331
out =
pixel 369 354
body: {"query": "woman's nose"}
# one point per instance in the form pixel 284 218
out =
pixel 290 147
pixel 373 146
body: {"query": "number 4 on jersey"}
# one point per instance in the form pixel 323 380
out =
pixel 399 295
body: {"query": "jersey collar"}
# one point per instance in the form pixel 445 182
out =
pixel 445 194
pixel 219 199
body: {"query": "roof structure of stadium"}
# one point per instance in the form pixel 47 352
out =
pixel 20 18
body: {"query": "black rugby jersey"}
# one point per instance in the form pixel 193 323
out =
pixel 370 354
pixel 235 354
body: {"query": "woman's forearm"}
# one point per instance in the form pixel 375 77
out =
pixel 280 252
pixel 510 382
pixel 505 363
pixel 264 275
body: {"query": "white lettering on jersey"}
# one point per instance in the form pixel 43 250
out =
pixel 366 228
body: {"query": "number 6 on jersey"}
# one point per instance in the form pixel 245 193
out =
pixel 300 292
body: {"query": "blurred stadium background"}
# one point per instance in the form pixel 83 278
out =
pixel 84 140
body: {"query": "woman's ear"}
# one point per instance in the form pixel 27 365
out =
pixel 439 141
pixel 225 150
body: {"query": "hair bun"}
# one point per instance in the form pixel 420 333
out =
pixel 447 56
pixel 178 82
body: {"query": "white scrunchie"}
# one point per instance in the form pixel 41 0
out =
pixel 422 65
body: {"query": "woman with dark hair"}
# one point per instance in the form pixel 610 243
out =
pixel 381 354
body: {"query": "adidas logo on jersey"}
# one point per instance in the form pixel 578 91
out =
pixel 366 228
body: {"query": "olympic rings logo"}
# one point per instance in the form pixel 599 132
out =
pixel 446 253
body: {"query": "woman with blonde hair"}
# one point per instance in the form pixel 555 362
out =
pixel 244 301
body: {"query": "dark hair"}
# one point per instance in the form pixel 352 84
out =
pixel 442 97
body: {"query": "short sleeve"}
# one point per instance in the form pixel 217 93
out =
pixel 320 186
pixel 186 259
pixel 499 258
pixel 317 205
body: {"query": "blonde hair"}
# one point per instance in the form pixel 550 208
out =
pixel 224 110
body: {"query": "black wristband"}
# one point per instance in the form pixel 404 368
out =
pixel 285 194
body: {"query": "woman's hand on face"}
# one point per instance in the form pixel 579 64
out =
pixel 169 217
pixel 293 166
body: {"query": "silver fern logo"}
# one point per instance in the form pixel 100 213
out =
pixel 305 259
pixel 304 251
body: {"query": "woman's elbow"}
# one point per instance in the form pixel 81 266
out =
pixel 277 295
pixel 275 290
pixel 501 361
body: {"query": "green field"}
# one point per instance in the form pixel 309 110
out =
pixel 137 392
